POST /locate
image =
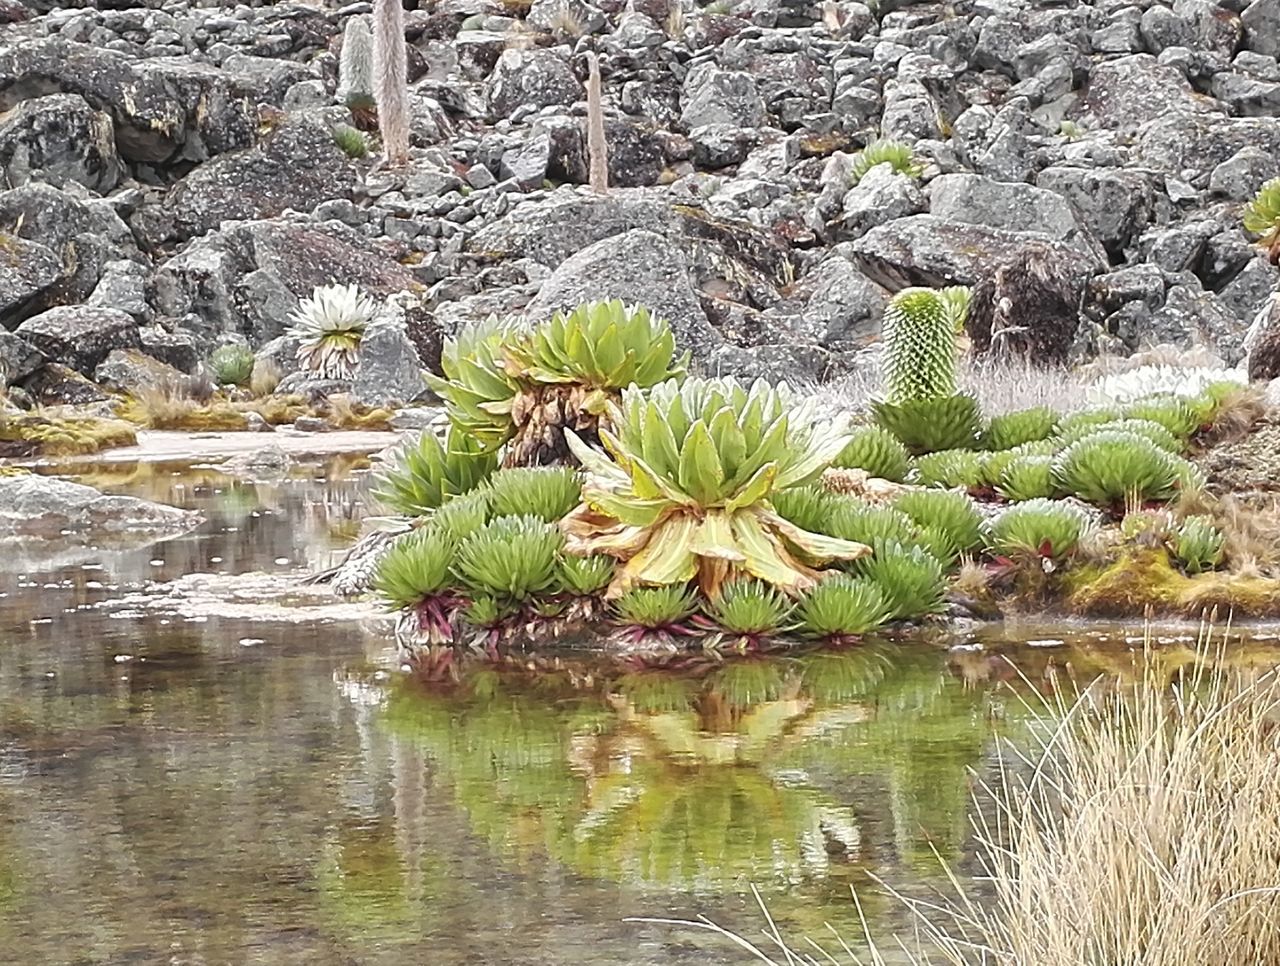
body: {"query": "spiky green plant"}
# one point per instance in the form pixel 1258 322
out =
pixel 510 557
pixel 686 493
pixel 1197 544
pixel 950 468
pixel 1022 426
pixel 749 607
pixel 232 364
pixel 424 475
pixel 1038 527
pixel 415 567
pixel 350 141
pixel 571 367
pixel 656 607
pixel 463 515
pixel 329 327
pixel 1073 424
pixel 910 577
pixel 1262 217
pixel 486 610
pixel 956 298
pixel 939 543
pixel 869 525
pixel 896 154
pixel 1174 413
pixel 475 386
pixel 994 465
pixel 546 492
pixel 585 576
pixel 927 425
pixel 1191 478
pixel 1027 478
pixel 1143 427
pixel 878 452
pixel 954 513
pixel 919 346
pixel 843 606
pixel 1109 466
pixel 809 507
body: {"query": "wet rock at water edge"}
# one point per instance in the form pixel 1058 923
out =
pixel 45 507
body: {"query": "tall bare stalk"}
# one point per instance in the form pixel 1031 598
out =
pixel 391 79
pixel 597 151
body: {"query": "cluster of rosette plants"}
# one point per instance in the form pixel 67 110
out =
pixel 588 487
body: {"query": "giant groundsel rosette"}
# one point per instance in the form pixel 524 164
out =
pixel 684 490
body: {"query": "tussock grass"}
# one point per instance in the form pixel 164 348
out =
pixel 1141 826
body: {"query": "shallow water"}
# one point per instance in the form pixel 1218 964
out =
pixel 232 775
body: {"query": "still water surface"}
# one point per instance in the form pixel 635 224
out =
pixel 184 782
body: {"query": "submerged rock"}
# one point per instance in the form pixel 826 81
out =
pixel 46 507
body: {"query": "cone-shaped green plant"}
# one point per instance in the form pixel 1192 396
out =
pixel 808 507
pixel 897 154
pixel 511 557
pixel 869 525
pixel 910 578
pixel 928 425
pixel 950 468
pixel 1027 478
pixel 1039 527
pixel 546 492
pixel 1022 426
pixel 585 576
pixel 1262 216
pixel 954 513
pixel 1143 427
pixel 1109 466
pixel 232 364
pixel 329 327
pixel 352 142
pixel 475 386
pixel 1174 413
pixel 656 607
pixel 686 493
pixel 1197 544
pixel 749 607
pixel 424 475
pixel 417 566
pixel 843 606
pixel 877 451
pixel 919 346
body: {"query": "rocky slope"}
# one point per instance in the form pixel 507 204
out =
pixel 171 180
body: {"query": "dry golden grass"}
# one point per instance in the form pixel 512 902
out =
pixel 1141 827
pixel 265 377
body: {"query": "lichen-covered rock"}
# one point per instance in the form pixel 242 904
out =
pixel 637 266
pixel 1200 142
pixel 18 359
pixel 1129 91
pixel 927 250
pixel 130 370
pixel 297 166
pixel 247 278
pixel 1114 205
pixel 1262 343
pixel 44 506
pixel 80 336
pixel 715 96
pixel 26 270
pixel 59 139
pixel 1012 206
pixel 389 370
pixel 533 78
pixel 161 108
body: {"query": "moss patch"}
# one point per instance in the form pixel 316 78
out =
pixel 35 435
pixel 1147 579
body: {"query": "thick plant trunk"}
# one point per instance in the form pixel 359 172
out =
pixel 391 84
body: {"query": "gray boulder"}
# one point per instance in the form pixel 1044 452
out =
pixel 1114 205
pixel 1246 96
pixel 1261 21
pixel 18 359
pixel 45 507
pixel 1262 342
pixel 56 140
pixel 1191 316
pixel 297 166
pixel 390 370
pixel 1012 206
pixel 26 270
pixel 1241 175
pixel 130 370
pixel 80 336
pixel 533 78
pixel 637 267
pixel 881 195
pixel 1129 91
pixel 1199 143
pixel 933 251
pixel 714 96
pixel 162 108
pixel 843 306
